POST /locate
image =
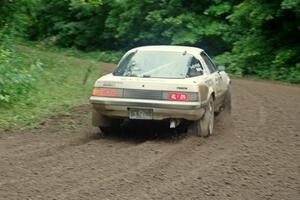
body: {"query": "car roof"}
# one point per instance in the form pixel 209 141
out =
pixel 174 48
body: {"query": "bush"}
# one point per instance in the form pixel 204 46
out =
pixel 16 76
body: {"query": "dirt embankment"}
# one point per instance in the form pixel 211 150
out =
pixel 254 154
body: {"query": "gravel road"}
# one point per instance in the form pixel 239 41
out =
pixel 254 154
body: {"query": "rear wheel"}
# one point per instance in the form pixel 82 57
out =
pixel 113 127
pixel 228 99
pixel 204 126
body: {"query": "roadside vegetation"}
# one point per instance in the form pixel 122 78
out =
pixel 39 81
pixel 258 38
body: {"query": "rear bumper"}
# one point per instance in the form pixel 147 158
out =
pixel 118 107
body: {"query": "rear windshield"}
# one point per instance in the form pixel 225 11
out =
pixel 155 64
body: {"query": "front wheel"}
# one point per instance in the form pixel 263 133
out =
pixel 204 126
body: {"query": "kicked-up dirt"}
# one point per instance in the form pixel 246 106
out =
pixel 254 154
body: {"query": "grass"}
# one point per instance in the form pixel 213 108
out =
pixel 65 81
pixel 103 56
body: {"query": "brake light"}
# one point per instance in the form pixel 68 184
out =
pixel 178 96
pixel 107 92
pixel 96 91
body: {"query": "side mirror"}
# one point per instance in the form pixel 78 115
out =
pixel 221 68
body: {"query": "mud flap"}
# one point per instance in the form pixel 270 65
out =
pixel 100 120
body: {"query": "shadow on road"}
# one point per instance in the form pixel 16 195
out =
pixel 140 131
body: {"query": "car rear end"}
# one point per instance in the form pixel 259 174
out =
pixel 150 83
pixel 145 99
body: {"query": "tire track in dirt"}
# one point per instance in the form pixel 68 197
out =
pixel 155 169
pixel 253 155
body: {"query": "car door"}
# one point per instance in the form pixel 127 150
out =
pixel 215 76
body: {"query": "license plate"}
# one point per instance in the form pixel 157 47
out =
pixel 140 113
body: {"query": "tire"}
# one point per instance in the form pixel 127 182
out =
pixel 106 129
pixel 227 100
pixel 204 126
pixel 114 127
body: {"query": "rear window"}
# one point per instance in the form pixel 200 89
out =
pixel 155 64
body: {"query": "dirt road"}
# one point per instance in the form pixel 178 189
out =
pixel 254 154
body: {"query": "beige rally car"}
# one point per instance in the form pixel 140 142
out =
pixel 174 83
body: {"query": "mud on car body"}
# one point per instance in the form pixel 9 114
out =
pixel 174 83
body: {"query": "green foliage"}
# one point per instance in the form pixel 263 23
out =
pixel 16 76
pixel 267 42
pixel 101 56
pixel 15 79
pixel 252 37
pixel 16 16
pixel 63 82
pixel 219 9
pixel 71 23
pixel 290 4
pixel 125 24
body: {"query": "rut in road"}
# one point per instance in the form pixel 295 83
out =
pixel 254 154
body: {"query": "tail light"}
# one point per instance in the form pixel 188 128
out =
pixel 180 96
pixel 107 92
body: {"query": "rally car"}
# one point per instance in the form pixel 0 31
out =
pixel 173 83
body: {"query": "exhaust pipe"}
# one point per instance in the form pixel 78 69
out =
pixel 174 123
